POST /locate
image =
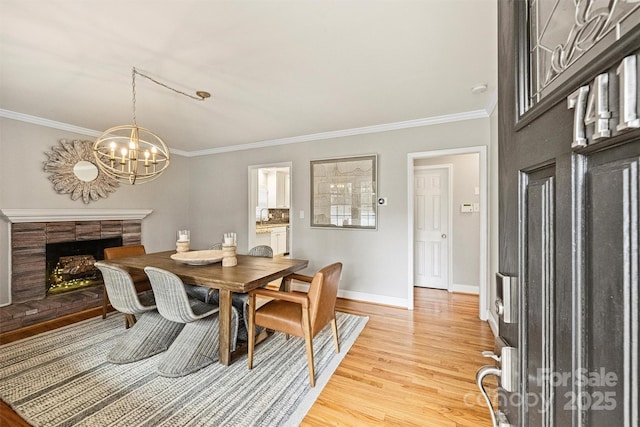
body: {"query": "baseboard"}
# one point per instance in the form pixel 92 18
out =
pixel 358 296
pixel 465 289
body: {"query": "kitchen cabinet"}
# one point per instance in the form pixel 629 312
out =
pixel 273 189
pixel 263 239
pixel 282 190
pixel 279 240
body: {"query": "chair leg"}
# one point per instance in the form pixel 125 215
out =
pixel 105 302
pixel 251 339
pixel 334 327
pixel 308 339
pixel 129 320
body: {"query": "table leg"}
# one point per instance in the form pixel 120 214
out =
pixel 225 326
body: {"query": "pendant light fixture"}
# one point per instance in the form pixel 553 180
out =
pixel 132 154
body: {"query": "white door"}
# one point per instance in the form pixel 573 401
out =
pixel 431 227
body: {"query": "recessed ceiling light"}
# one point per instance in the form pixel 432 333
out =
pixel 479 88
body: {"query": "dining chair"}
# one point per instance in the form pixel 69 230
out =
pixel 239 300
pixel 203 293
pixel 151 334
pixel 140 280
pixel 298 313
pixel 197 345
pixel 261 250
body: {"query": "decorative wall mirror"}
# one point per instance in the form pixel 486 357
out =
pixel 343 192
pixel 73 171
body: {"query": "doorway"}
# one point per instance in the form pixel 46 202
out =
pixel 269 207
pixel 478 205
pixel 432 219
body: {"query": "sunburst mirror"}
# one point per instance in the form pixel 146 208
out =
pixel 73 171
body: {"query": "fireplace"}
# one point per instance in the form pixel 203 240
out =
pixel 32 231
pixel 69 265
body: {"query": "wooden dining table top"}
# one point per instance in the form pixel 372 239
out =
pixel 251 272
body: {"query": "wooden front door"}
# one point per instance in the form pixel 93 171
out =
pixel 569 155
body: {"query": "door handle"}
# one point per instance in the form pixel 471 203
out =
pixel 482 373
pixel 444 236
pixel 505 370
pixel 498 418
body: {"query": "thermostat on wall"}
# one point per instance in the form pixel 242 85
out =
pixel 382 201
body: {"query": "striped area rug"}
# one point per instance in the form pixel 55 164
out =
pixel 61 378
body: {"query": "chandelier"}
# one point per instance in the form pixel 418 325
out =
pixel 132 154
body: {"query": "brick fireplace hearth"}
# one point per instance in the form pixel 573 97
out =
pixel 30 303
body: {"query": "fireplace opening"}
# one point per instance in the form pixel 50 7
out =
pixel 70 264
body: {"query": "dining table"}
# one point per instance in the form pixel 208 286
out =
pixel 249 273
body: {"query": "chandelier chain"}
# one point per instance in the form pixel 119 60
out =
pixel 197 98
pixel 133 84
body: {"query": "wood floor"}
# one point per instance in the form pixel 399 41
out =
pixel 407 368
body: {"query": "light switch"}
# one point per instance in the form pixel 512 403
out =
pixel 301 214
pixel 476 207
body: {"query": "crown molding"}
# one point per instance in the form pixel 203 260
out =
pixel 429 121
pixel 449 118
pixel 48 123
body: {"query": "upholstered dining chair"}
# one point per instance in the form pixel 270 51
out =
pixel 297 313
pixel 197 345
pixel 151 334
pixel 140 280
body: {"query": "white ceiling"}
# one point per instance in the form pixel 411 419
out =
pixel 275 69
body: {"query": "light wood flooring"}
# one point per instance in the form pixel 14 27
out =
pixel 407 368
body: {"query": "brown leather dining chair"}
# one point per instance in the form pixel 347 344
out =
pixel 298 313
pixel 140 280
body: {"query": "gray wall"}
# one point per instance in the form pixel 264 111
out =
pixel 465 227
pixel 208 194
pixel 375 262
pixel 24 185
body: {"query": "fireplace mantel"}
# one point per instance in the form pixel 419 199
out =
pixel 58 215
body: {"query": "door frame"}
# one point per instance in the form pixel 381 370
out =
pixel 481 150
pixel 449 168
pixel 253 200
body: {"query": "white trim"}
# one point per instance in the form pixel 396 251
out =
pixel 428 121
pixel 470 115
pixel 493 324
pixel 252 216
pixel 358 296
pixel 48 123
pixel 56 215
pixel 465 289
pixel 484 219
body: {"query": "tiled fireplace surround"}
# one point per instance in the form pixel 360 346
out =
pixel 29 236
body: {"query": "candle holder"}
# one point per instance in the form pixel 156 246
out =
pixel 229 258
pixel 184 239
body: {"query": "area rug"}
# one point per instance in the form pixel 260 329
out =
pixel 61 378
